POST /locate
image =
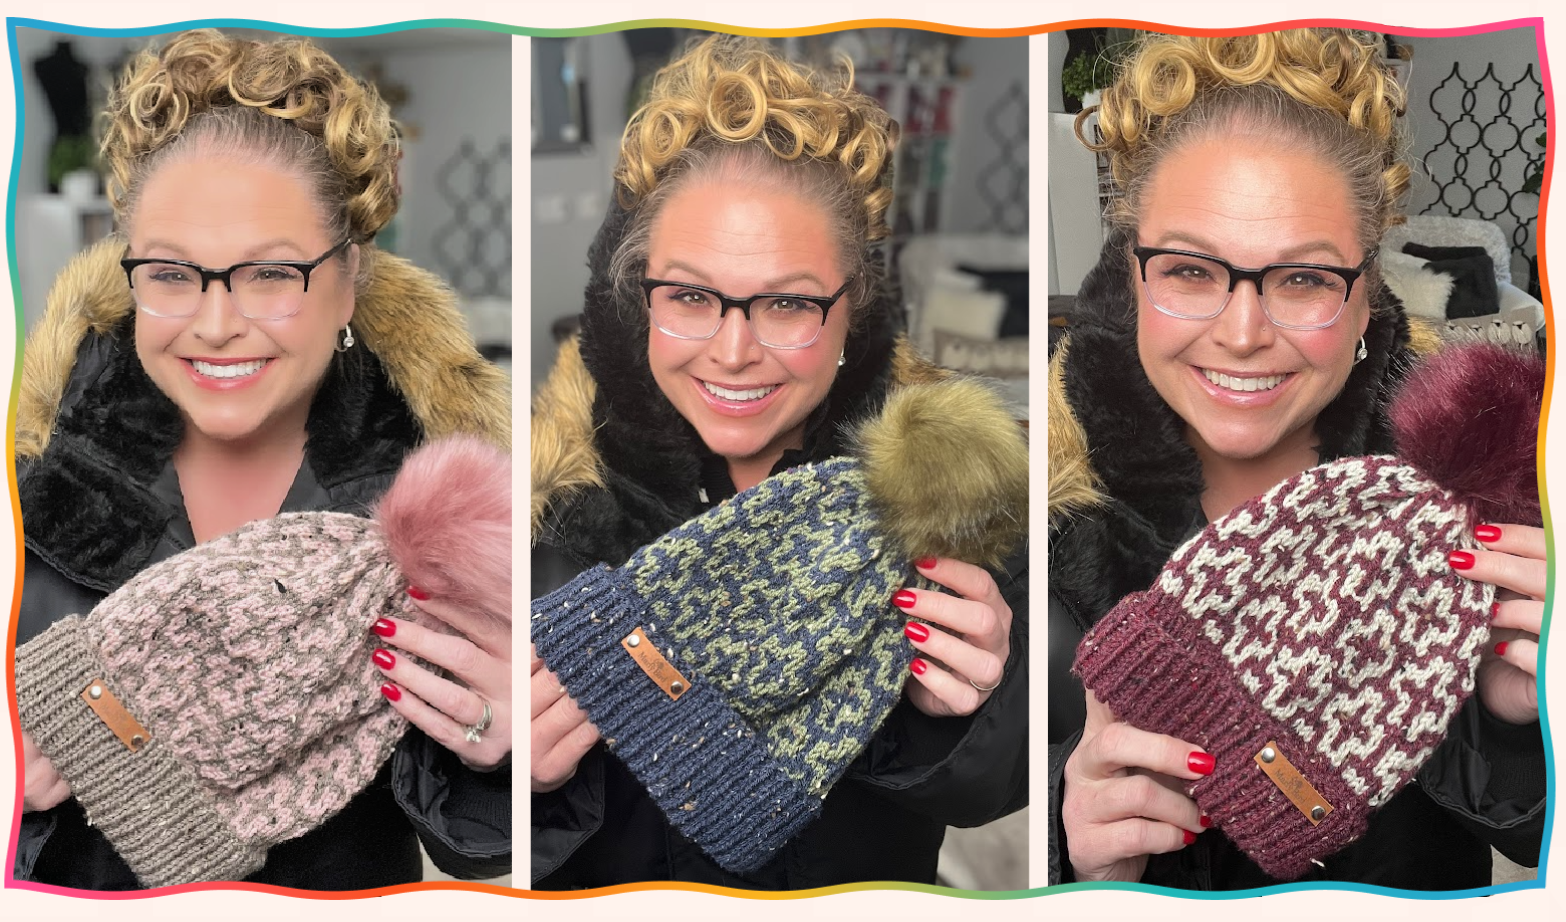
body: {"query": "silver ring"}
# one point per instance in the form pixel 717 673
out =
pixel 474 733
pixel 989 688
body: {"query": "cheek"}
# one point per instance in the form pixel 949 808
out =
pixel 1160 338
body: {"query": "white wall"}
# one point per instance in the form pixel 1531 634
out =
pixel 570 194
pixel 994 64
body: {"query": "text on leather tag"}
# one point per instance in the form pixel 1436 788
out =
pixel 114 715
pixel 660 670
pixel 1292 783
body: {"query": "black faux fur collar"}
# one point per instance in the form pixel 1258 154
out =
pixel 650 457
pixel 97 503
pixel 1151 479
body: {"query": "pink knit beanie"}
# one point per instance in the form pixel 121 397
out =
pixel 224 700
pixel 1315 640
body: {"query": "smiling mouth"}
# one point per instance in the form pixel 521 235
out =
pixel 237 370
pixel 754 393
pixel 1243 385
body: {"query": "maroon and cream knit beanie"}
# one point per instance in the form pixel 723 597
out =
pixel 1316 640
pixel 224 700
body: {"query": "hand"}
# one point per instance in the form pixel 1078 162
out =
pixel 1125 799
pixel 958 668
pixel 43 787
pixel 479 660
pixel 561 732
pixel 1513 563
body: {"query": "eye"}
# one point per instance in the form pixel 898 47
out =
pixel 1310 278
pixel 789 305
pixel 687 297
pixel 1186 271
pixel 167 274
pixel 268 274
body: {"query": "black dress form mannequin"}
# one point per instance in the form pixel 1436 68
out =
pixel 64 82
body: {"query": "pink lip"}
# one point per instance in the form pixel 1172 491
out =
pixel 736 408
pixel 224 384
pixel 1253 399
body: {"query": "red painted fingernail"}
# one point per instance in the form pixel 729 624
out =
pixel 384 628
pixel 1189 836
pixel 1201 763
pixel 1500 648
pixel 1207 821
pixel 918 666
pixel 392 692
pixel 925 563
pixel 917 632
pixel 1487 532
pixel 1460 560
pixel 418 593
pixel 383 659
pixel 1495 610
pixel 904 599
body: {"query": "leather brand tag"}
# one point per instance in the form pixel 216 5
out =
pixel 1292 783
pixel 114 715
pixel 660 670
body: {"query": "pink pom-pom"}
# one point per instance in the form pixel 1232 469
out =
pixel 1468 418
pixel 447 519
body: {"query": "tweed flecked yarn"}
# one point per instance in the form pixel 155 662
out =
pixel 247 661
pixel 776 607
pixel 1318 626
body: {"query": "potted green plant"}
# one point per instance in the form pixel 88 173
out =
pixel 73 163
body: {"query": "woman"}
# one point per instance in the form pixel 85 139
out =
pixel 746 174
pixel 1166 413
pixel 239 350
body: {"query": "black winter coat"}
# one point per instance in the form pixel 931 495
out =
pixel 614 468
pixel 1125 493
pixel 101 501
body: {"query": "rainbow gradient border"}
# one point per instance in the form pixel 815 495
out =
pixel 1535 23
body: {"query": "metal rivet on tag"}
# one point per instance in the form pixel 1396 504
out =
pixel 1268 754
pixel 138 739
pixel 96 691
pixel 1317 813
pixel 633 641
pixel 676 687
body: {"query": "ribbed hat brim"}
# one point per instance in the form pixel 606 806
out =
pixel 150 808
pixel 1180 685
pixel 703 765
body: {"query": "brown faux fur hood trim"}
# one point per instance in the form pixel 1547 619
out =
pixel 565 458
pixel 407 318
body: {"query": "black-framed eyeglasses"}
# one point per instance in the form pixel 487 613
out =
pixel 777 320
pixel 262 289
pixel 1294 296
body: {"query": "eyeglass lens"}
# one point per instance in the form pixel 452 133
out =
pixel 779 321
pixel 260 292
pixel 1197 288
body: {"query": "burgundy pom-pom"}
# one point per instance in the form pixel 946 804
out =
pixel 447 519
pixel 1468 418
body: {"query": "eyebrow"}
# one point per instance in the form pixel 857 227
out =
pixel 775 286
pixel 1292 254
pixel 250 255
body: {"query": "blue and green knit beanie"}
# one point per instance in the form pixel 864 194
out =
pixel 738 664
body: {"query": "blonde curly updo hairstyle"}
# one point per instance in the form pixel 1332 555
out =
pixel 285 103
pixel 733 107
pixel 1321 90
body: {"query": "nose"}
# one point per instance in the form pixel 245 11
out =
pixel 734 346
pixel 1243 326
pixel 217 319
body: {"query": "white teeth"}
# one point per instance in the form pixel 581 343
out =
pixel 755 393
pixel 1243 385
pixel 241 370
